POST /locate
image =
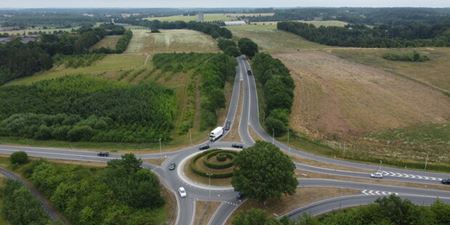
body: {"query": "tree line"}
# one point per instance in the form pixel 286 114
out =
pixel 79 108
pixel 382 36
pixel 214 71
pixel 121 193
pixel 213 29
pixel 390 210
pixel 19 60
pixel 278 91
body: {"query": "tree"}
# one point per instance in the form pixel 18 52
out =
pixel 18 158
pixel 248 47
pixel 263 172
pixel 255 217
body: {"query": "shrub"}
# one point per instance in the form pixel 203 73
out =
pixel 221 157
pixel 18 158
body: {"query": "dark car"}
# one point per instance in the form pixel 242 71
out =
pixel 203 147
pixel 172 166
pixel 227 125
pixel 103 154
pixel 445 181
pixel 249 72
pixel 240 196
pixel 237 145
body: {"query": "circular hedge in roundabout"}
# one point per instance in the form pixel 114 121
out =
pixel 216 162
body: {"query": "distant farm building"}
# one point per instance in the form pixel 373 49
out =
pixel 235 23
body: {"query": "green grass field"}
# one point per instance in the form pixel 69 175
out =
pixel 109 41
pixel 144 41
pixel 272 40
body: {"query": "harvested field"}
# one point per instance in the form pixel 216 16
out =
pixel 340 100
pixel 338 97
pixel 144 41
pixel 434 73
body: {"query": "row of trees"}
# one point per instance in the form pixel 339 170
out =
pixel 379 36
pixel 20 206
pixel 122 193
pixel 390 210
pixel 228 47
pixel 248 47
pixel 214 71
pixel 121 45
pixel 18 59
pixel 213 29
pixel 90 109
pixel 278 88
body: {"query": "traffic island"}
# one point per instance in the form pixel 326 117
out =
pixel 211 168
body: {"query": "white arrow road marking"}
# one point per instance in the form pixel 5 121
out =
pixel 409 176
pixel 377 193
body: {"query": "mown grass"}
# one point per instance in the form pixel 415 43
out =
pixel 109 41
pixel 272 40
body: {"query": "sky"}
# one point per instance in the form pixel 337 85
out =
pixel 217 3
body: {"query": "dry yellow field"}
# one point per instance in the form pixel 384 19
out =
pixel 144 41
pixel 336 97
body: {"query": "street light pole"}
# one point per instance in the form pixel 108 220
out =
pixel 426 162
pixel 160 148
pixel 209 188
pixel 273 136
pixel 289 147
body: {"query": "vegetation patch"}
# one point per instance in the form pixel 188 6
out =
pixel 214 163
pixel 76 61
pixel 413 56
pixel 89 109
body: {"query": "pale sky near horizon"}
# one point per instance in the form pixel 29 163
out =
pixel 217 3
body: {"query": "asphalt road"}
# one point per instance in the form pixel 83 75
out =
pixel 250 119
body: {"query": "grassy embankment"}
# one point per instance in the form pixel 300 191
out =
pixel 360 106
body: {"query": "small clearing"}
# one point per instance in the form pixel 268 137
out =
pixel 109 41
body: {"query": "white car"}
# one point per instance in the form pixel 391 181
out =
pixel 376 175
pixel 182 192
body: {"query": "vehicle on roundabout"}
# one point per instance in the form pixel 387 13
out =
pixel 203 147
pixel 234 145
pixel 182 192
pixel 172 166
pixel 378 175
pixel 103 154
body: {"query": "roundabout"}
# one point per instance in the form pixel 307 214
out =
pixel 212 169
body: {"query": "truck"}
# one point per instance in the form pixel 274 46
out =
pixel 216 134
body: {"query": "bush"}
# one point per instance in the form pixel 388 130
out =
pixel 406 57
pixel 18 158
pixel 78 133
pixel 221 157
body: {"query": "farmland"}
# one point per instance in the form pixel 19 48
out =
pixel 107 42
pixel 353 99
pixel 209 17
pixel 270 39
pixel 144 41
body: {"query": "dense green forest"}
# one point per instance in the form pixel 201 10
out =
pixel 383 36
pixel 20 207
pixel 390 210
pixel 214 71
pixel 121 193
pixel 18 59
pixel 278 91
pixel 88 109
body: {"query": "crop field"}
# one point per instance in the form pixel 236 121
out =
pixel 337 99
pixel 434 73
pixel 317 23
pixel 272 40
pixel 110 66
pixel 107 42
pixel 144 41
